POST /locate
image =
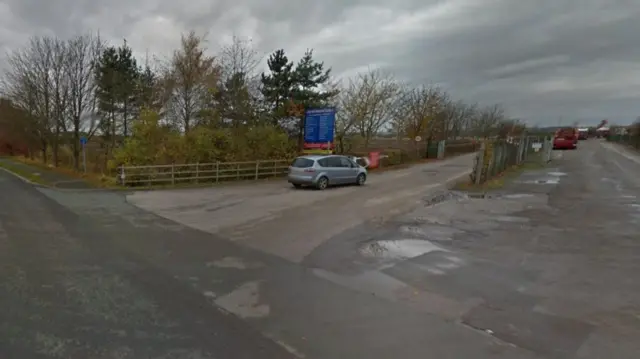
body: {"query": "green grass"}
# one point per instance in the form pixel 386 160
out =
pixel 500 180
pixel 31 176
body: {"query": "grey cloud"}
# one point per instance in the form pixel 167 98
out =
pixel 542 59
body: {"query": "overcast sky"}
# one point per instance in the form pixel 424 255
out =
pixel 546 61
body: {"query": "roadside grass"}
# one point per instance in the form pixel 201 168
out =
pixel 500 180
pixel 29 175
pixel 93 179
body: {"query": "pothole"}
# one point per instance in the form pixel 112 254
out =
pixel 398 249
pixel 477 195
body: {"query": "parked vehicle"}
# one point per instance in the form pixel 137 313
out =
pixel 323 171
pixel 565 138
pixel 583 133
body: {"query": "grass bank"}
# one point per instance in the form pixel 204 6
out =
pixel 500 180
pixel 23 172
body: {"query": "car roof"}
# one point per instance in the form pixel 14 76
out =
pixel 318 157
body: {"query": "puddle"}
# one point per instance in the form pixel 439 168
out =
pixel 518 195
pixel 431 232
pixel 511 219
pixel 399 249
pixel 553 181
pixel 547 181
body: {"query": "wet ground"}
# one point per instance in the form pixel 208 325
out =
pixel 547 268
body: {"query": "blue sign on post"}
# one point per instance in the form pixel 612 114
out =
pixel 319 125
pixel 83 142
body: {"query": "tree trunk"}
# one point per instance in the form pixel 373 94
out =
pixel 301 134
pixel 76 143
pixel 125 119
pixel 56 146
pixel 43 149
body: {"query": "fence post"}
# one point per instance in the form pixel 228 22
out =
pixel 238 171
pixel 173 174
pixel 257 168
pixel 197 172
pixel 217 170
pixel 123 176
pixel 521 148
pixel 479 164
pixel 441 148
pixel 275 168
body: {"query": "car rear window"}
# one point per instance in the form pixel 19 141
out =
pixel 302 163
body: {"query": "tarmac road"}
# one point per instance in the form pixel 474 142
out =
pixel 290 223
pixel 547 270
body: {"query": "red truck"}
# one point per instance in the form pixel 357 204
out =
pixel 566 138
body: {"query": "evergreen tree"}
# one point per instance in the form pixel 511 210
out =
pixel 277 85
pixel 128 73
pixel 116 76
pixel 107 78
pixel 146 84
pixel 309 78
pixel 235 102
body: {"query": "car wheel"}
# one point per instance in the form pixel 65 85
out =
pixel 323 183
pixel 298 186
pixel 361 179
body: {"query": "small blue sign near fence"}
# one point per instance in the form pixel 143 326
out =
pixel 319 125
pixel 83 140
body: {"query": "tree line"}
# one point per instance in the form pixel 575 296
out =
pixel 198 107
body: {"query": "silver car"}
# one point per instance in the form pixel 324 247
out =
pixel 324 171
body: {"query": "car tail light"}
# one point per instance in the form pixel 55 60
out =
pixel 310 170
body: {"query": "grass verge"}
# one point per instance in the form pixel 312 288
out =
pixel 31 176
pixel 500 180
pixel 93 179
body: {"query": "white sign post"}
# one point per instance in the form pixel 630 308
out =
pixel 417 139
pixel 536 146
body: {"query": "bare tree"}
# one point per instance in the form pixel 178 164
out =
pixel 60 91
pixel 190 79
pixel 239 88
pixel 487 120
pixel 417 108
pixel 27 83
pixel 83 53
pixel 349 112
pixel 376 95
pixel 239 57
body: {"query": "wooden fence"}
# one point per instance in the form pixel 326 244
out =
pixel 194 173
pixel 175 174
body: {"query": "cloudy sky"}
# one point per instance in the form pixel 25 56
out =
pixel 546 61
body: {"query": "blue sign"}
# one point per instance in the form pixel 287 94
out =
pixel 319 125
pixel 83 140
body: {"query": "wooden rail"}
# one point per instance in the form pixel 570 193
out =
pixel 174 174
pixel 194 173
